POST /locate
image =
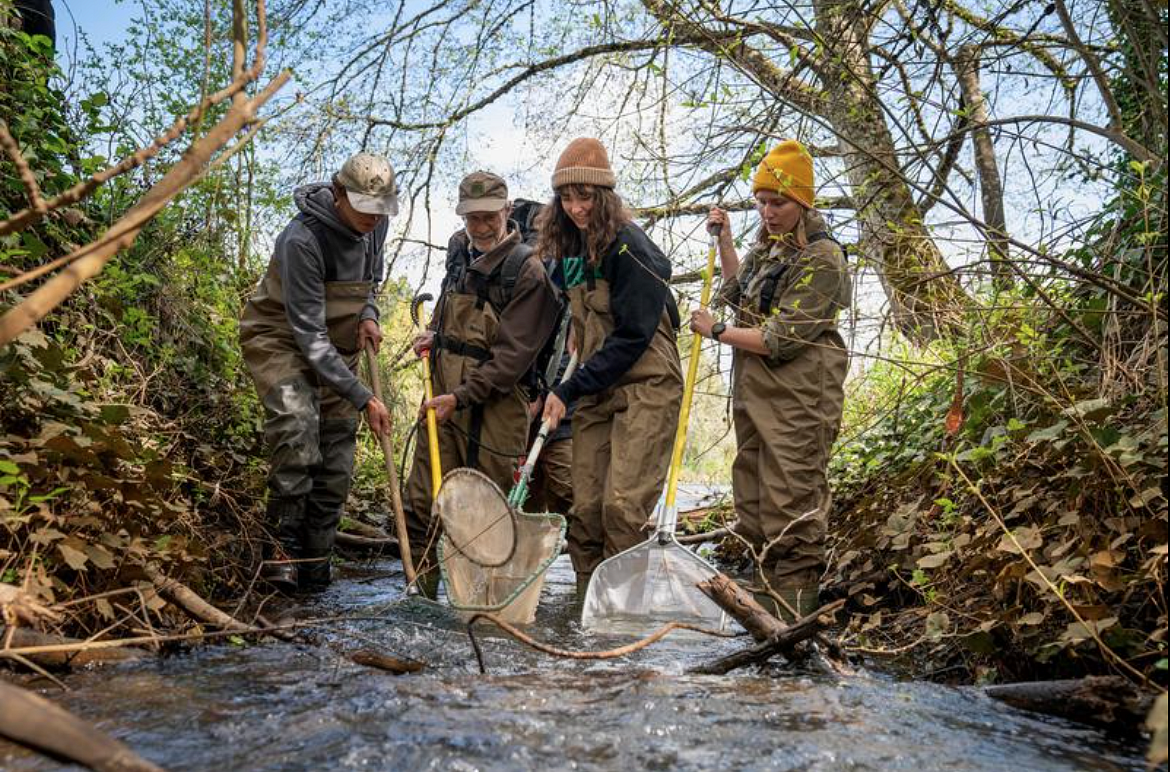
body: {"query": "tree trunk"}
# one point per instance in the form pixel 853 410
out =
pixel 925 296
pixel 966 65
pixel 926 299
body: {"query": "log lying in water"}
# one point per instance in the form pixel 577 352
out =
pixel 360 528
pixel 391 664
pixel 1109 701
pixel 706 536
pixel 388 545
pixel 22 638
pixel 31 720
pixel 772 635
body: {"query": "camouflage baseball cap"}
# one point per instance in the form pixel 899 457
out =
pixel 369 181
pixel 481 192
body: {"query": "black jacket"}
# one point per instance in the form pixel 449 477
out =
pixel 638 275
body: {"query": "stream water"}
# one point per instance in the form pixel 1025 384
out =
pixel 287 707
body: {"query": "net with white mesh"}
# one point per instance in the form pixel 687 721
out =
pixel 476 578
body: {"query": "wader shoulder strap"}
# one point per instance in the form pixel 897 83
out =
pixel 510 270
pixel 775 273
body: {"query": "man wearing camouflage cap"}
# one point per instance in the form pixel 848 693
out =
pixel 496 311
pixel 302 332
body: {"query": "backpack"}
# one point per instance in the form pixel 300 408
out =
pixel 524 212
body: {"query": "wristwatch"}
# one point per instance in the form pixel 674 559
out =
pixel 717 329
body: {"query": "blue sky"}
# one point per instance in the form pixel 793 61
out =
pixel 103 21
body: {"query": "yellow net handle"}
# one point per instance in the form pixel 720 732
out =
pixel 680 437
pixel 432 427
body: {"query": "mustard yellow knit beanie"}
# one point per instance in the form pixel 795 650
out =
pixel 788 170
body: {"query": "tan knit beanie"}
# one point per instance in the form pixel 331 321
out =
pixel 584 162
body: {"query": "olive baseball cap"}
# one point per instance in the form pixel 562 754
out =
pixel 481 192
pixel 368 180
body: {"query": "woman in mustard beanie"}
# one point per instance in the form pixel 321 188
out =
pixel 788 375
pixel 628 388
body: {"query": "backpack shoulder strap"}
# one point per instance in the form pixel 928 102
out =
pixel 826 236
pixel 510 269
pixel 455 267
pixel 768 284
pixel 525 212
pixel 775 273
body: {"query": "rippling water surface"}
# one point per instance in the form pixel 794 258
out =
pixel 287 707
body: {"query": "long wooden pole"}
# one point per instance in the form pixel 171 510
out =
pixel 387 441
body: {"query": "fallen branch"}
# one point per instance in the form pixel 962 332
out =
pixel 190 601
pixel 740 604
pixel 391 664
pixel 78 656
pixel 772 635
pixel 31 720
pixel 386 544
pixel 359 528
pixel 706 536
pixel 1110 701
pixel 544 648
pixel 783 642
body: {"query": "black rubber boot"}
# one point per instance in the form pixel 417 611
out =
pixel 325 502
pixel 315 574
pixel 318 534
pixel 285 516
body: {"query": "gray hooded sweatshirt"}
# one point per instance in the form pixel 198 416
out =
pixel 302 269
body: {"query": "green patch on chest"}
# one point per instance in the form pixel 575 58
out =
pixel 575 269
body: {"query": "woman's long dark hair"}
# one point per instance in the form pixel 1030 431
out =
pixel 558 236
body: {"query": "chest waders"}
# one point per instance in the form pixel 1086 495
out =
pixel 786 416
pixel 488 436
pixel 621 436
pixel 656 581
pixel 309 429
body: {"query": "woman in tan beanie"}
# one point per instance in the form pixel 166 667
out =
pixel 789 374
pixel 629 386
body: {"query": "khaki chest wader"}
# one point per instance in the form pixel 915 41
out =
pixel 488 436
pixel 310 429
pixel 467 331
pixel 271 352
pixel 622 437
pixel 786 417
